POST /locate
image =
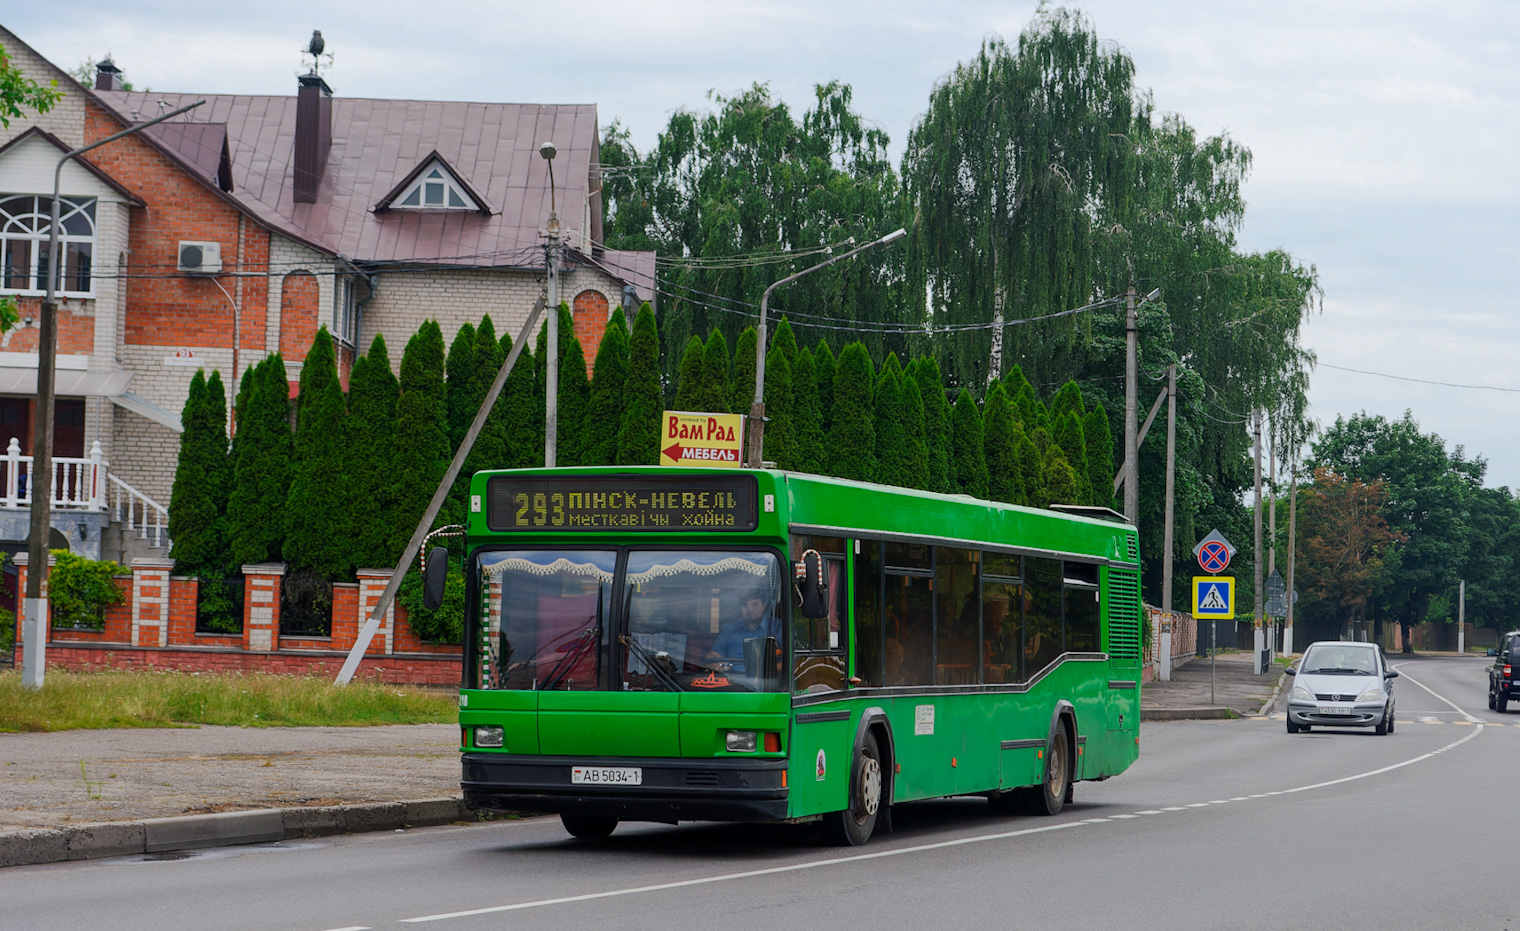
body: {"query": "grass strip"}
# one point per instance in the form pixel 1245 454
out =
pixel 73 700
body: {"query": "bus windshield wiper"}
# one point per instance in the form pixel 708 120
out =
pixel 652 663
pixel 576 650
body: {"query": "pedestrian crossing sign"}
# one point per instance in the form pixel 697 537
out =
pixel 1214 597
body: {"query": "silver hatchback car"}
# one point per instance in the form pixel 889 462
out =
pixel 1341 684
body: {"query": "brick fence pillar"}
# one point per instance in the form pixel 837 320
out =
pixel 21 560
pixel 261 606
pixel 150 602
pixel 372 583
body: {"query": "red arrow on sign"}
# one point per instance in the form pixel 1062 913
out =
pixel 673 451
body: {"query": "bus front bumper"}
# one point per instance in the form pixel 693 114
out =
pixel 670 789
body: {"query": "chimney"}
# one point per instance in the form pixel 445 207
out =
pixel 107 76
pixel 313 135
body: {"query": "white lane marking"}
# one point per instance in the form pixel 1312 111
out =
pixel 1149 811
pixel 1427 688
pixel 940 845
pixel 351 928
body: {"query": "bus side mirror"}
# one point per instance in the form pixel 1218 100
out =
pixel 435 577
pixel 811 589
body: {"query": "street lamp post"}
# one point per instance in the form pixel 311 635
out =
pixel 40 481
pixel 551 370
pixel 757 410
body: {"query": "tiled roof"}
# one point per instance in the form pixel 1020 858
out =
pixel 375 144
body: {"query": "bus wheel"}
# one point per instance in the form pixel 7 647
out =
pixel 1047 799
pixel 588 827
pixel 853 827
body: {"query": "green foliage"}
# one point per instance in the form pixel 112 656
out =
pixel 968 449
pixel 780 441
pixel 574 402
pixel 1031 473
pixel 690 384
pixel 1059 481
pixel 1005 476
pixel 1100 456
pixel 785 340
pixel 17 91
pixel 925 371
pixel 422 440
pixel 372 395
pixel 444 624
pixel 1067 400
pixel 202 482
pixel 316 510
pixel 891 432
pixel 823 361
pixel 488 451
pixel 741 377
pixel 916 446
pixel 261 471
pixel 807 416
pixel 517 411
pixel 608 379
pixel 460 385
pixel 639 437
pixel 80 590
pixel 714 393
pixel 1067 434
pixel 852 432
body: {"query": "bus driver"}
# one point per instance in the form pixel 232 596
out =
pixel 755 621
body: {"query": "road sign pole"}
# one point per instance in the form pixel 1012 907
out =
pixel 1168 547
pixel 1260 634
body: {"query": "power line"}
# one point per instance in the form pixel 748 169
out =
pixel 1422 381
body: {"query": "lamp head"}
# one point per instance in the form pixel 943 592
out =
pixel 548 151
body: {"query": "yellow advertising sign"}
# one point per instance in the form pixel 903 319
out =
pixel 704 441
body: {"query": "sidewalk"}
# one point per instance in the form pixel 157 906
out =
pixel 1237 690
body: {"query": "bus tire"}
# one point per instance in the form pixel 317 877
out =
pixel 853 826
pixel 588 827
pixel 1047 798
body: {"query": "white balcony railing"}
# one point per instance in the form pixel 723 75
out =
pixel 86 485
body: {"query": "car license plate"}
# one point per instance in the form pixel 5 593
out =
pixel 1331 709
pixel 607 775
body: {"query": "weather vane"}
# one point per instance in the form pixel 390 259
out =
pixel 314 50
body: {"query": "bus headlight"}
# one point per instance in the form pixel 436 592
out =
pixel 489 736
pixel 741 741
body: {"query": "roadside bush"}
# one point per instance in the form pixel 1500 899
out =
pixel 446 623
pixel 80 590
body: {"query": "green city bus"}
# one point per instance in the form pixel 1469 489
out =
pixel 636 648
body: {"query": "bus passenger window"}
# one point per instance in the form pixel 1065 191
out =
pixel 1081 584
pixel 1043 635
pixel 868 632
pixel 909 652
pixel 957 597
pixel 819 644
pixel 1002 629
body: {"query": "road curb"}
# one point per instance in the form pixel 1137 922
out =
pixel 223 829
pixel 1187 714
pixel 1276 691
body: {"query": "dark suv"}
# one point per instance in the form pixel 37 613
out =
pixel 1502 684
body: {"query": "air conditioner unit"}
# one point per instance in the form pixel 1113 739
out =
pixel 203 258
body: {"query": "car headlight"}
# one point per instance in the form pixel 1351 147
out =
pixel 1302 694
pixel 1372 694
pixel 489 736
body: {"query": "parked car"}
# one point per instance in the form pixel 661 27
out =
pixel 1501 684
pixel 1341 684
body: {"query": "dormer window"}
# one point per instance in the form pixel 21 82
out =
pixel 435 189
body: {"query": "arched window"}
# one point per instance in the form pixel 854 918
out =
pixel 25 221
pixel 589 311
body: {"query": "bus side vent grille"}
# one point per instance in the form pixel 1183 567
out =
pixel 1130 546
pixel 1124 615
pixel 702 777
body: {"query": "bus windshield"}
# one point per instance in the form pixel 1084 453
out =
pixel 683 620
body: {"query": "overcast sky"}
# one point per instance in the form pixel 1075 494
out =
pixel 1384 132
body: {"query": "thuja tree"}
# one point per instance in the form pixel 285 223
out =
pixel 1059 481
pixel 198 503
pixel 1067 433
pixel 915 445
pixel 807 415
pixel 713 397
pixel 925 371
pixel 316 531
pixel 460 369
pixel 824 364
pixel 1005 479
pixel 966 440
pixel 517 412
pixel 609 376
pixel 741 378
pixel 639 436
pixel 852 435
pixel 574 402
pixel 689 377
pixel 891 435
pixel 371 455
pixel 567 422
pixel 422 440
pixel 487 452
pixel 261 474
pixel 1100 455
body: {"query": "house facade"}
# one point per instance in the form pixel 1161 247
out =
pixel 238 229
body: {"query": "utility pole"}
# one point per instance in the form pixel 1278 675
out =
pixel 551 386
pixel 1292 553
pixel 1131 427
pixel 1171 486
pixel 1461 617
pixel 1272 524
pixel 34 609
pixel 1260 638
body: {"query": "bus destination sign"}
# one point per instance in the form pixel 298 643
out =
pixel 636 503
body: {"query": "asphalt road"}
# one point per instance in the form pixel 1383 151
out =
pixel 1221 824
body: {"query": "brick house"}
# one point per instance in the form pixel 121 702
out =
pixel 238 229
